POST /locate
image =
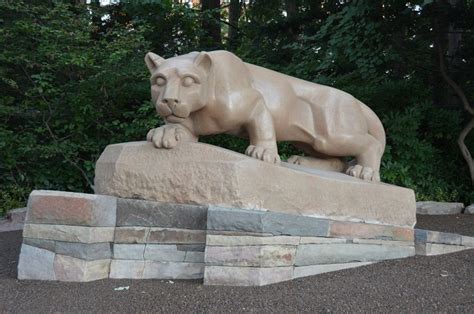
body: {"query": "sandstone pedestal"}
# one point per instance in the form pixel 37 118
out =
pixel 197 173
pixel 203 212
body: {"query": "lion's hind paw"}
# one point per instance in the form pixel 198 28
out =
pixel 365 173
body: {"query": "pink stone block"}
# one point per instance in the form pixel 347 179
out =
pixel 370 231
pixel 67 208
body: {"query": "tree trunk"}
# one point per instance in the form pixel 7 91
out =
pixel 443 45
pixel 291 8
pixel 211 24
pixel 234 15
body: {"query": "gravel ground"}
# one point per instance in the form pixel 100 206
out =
pixel 462 223
pixel 417 284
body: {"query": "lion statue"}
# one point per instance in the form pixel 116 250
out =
pixel 203 93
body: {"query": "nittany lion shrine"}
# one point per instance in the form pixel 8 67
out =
pixel 173 208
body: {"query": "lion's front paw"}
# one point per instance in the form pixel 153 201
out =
pixel 168 136
pixel 263 153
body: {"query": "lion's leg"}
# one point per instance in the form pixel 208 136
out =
pixel 365 148
pixel 261 133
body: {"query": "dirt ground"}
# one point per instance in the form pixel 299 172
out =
pixel 417 284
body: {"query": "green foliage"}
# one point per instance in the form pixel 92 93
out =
pixel 73 81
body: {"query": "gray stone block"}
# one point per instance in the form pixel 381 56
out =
pixel 36 263
pixel 469 209
pixel 127 269
pixel 160 235
pixel 17 215
pixel 69 268
pixel 438 208
pixel 437 237
pixel 429 249
pixel 257 255
pixel 164 253
pixel 131 234
pixel 315 254
pixel 191 247
pixel 295 225
pixel 246 276
pixel 49 245
pixel 467 241
pixel 194 257
pixel 89 252
pixel 231 219
pixel 383 242
pixel 131 212
pixel 304 271
pixel 171 270
pixel 129 251
pixel 86 251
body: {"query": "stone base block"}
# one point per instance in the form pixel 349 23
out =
pixel 196 173
pixel 223 246
pixel 246 276
pixel 305 271
pixel 36 263
pixel 438 249
pixel 435 243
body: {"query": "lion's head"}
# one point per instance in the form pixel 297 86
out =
pixel 178 85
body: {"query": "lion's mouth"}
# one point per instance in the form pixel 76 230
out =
pixel 174 119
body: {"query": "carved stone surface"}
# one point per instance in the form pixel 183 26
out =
pixel 216 92
pixel 204 174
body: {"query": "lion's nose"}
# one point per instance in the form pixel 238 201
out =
pixel 171 102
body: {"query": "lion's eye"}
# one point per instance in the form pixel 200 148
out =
pixel 160 81
pixel 188 81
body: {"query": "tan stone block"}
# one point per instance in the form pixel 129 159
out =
pixel 219 240
pixel 68 208
pixel 168 235
pixel 131 234
pixel 304 271
pixel 171 270
pixel 362 230
pixel 127 269
pixel 69 233
pixel 263 255
pixel 246 276
pixel 320 240
pixel 196 173
pixel 68 268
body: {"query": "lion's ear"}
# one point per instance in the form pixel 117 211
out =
pixel 203 60
pixel 153 61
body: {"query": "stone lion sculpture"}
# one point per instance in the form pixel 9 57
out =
pixel 203 93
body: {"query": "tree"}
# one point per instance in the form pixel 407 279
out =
pixel 211 24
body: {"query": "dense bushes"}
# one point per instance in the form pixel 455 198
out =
pixel 73 81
